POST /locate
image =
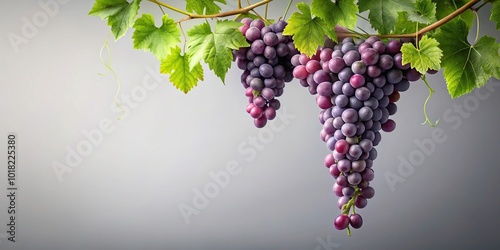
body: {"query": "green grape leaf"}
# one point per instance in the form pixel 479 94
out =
pixel 120 14
pixel 466 66
pixel 426 56
pixel 106 8
pixel 215 48
pixel 446 7
pixel 177 66
pixel 308 32
pixel 425 12
pixel 404 25
pixel 384 14
pixel 495 13
pixel 206 7
pixel 157 40
pixel 489 49
pixel 342 13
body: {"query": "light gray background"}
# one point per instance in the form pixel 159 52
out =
pixel 126 193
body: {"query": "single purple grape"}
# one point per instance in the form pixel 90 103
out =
pixel 341 222
pixel 356 221
pixel 368 192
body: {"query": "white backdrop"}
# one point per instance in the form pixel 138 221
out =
pixel 90 181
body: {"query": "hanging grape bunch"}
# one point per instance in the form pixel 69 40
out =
pixel 356 84
pixel 267 67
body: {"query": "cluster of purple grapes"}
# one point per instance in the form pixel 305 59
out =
pixel 266 64
pixel 356 83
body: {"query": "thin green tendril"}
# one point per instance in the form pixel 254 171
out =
pixel 110 69
pixel 431 91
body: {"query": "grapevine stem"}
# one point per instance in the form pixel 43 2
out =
pixel 265 13
pixel 480 6
pixel 168 6
pixel 424 30
pixel 263 18
pixel 448 17
pixel 257 14
pixel 222 14
pixel 287 8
